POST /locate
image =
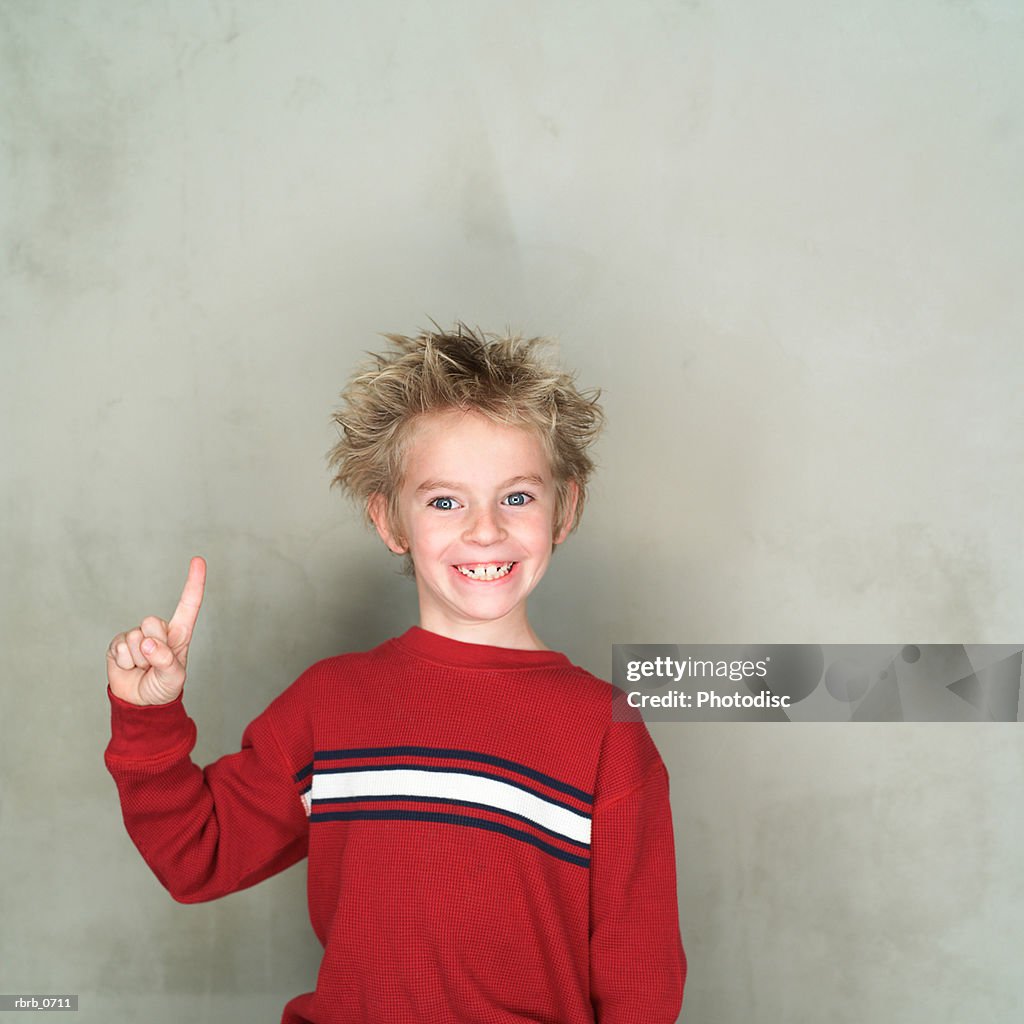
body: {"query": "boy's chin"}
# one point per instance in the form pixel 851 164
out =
pixel 474 603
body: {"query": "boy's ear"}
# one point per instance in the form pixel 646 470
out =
pixel 377 507
pixel 570 512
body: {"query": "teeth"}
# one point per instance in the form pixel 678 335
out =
pixel 486 572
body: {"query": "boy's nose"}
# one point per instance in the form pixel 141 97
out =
pixel 485 528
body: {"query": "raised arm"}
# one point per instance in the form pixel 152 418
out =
pixel 204 832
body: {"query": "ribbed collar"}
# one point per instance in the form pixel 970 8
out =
pixel 444 651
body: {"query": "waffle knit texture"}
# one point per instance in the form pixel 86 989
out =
pixel 486 845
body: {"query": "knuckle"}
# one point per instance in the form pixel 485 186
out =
pixel 152 626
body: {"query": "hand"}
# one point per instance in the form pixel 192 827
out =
pixel 147 664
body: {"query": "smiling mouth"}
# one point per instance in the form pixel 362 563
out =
pixel 486 570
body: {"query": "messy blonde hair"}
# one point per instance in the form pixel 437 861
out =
pixel 504 378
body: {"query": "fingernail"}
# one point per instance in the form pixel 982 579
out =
pixel 148 646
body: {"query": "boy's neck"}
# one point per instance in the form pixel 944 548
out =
pixel 514 635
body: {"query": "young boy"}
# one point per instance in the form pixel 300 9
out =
pixel 486 844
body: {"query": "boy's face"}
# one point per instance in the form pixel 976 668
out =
pixel 477 508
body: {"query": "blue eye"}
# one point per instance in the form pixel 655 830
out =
pixel 444 504
pixel 519 498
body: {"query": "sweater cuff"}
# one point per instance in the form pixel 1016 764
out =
pixel 152 732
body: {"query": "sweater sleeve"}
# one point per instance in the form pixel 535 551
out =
pixel 637 963
pixel 209 832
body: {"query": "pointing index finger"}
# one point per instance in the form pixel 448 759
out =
pixel 184 618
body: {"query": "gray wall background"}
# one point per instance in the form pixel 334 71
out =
pixel 786 240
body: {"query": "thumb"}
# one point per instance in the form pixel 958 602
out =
pixel 166 677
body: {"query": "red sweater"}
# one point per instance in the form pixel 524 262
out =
pixel 485 844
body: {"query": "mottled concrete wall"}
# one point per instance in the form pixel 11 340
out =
pixel 786 238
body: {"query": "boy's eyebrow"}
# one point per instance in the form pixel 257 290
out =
pixel 448 485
